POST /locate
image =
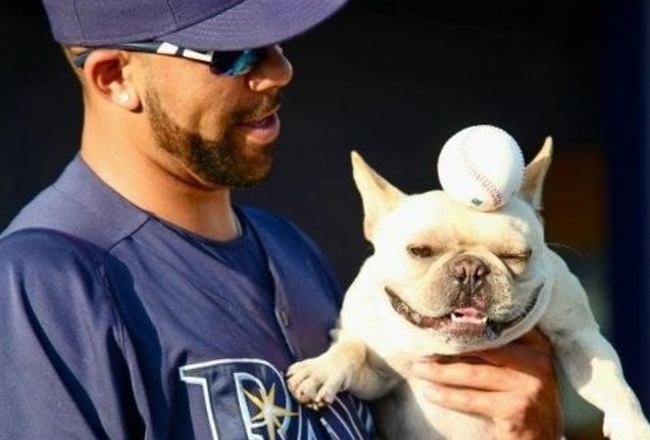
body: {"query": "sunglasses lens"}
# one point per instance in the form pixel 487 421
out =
pixel 237 62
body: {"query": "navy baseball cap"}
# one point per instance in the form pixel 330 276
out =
pixel 196 24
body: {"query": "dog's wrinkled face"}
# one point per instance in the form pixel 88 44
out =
pixel 462 274
pixel 451 278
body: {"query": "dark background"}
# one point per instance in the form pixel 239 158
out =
pixel 394 79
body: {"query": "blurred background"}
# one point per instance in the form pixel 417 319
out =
pixel 394 79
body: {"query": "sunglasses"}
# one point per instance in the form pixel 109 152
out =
pixel 228 63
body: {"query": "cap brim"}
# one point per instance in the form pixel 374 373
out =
pixel 254 23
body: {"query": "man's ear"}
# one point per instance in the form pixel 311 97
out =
pixel 104 76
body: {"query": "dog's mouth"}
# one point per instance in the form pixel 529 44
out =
pixel 465 321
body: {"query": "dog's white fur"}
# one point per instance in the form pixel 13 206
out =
pixel 434 258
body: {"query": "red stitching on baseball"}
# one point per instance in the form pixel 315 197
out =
pixel 489 186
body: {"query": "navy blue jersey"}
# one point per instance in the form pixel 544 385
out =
pixel 116 325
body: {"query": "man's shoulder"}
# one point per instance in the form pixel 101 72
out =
pixel 38 250
pixel 78 204
pixel 50 272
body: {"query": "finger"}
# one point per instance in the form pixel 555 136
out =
pixel 531 352
pixel 516 415
pixel 484 403
pixel 472 375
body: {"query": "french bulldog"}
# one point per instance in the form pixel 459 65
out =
pixel 445 279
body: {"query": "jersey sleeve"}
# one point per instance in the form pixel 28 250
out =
pixel 63 373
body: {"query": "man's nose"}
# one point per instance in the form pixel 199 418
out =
pixel 274 71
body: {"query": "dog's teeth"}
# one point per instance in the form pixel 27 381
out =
pixel 468 316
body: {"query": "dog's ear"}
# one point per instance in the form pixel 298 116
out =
pixel 377 195
pixel 534 175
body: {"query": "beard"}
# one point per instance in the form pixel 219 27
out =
pixel 224 162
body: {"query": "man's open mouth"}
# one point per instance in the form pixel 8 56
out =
pixel 465 320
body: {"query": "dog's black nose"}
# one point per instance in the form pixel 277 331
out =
pixel 469 271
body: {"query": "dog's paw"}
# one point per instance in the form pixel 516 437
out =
pixel 617 427
pixel 315 382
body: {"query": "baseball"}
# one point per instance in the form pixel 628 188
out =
pixel 481 166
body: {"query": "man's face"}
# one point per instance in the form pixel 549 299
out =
pixel 219 131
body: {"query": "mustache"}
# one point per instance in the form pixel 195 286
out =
pixel 263 108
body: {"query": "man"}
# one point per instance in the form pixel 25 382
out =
pixel 136 302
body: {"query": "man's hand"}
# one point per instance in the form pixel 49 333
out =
pixel 515 386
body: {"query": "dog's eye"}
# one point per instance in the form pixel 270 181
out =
pixel 516 257
pixel 421 251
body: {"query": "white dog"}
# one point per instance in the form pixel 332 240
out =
pixel 447 279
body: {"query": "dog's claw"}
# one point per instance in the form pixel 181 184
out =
pixel 311 383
